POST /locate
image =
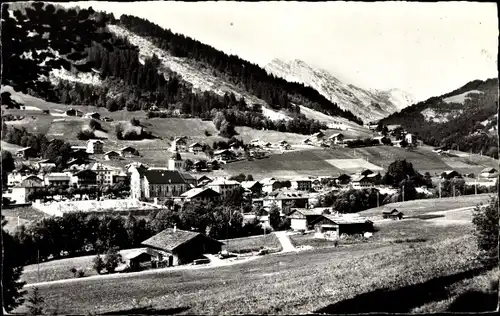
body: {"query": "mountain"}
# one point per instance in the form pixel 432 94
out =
pixel 82 57
pixel 465 118
pixel 369 105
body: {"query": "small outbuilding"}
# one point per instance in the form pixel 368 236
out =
pixel 332 227
pixel 394 214
pixel 301 218
pixel 174 247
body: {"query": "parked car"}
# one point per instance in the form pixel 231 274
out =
pixel 224 254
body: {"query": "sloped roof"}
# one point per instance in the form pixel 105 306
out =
pixel 111 152
pixel 163 176
pixel 23 149
pixel 309 211
pixel 489 170
pixel 222 181
pixel 128 148
pixel 249 184
pixel 187 176
pixel 221 151
pixel 195 144
pixel 95 141
pixel 199 191
pixel 288 194
pixel 394 211
pixel 342 220
pixel 170 239
pixel 336 135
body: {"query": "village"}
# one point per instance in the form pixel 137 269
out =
pixel 91 184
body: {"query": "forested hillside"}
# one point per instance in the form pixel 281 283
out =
pixel 461 113
pixel 50 49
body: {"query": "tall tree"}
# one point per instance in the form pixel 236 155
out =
pixel 12 268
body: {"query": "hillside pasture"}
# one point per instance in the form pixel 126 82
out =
pixel 460 98
pixel 295 283
pixel 252 244
pixel 418 207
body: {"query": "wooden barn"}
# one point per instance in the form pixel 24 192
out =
pixel 333 226
pixel 173 247
pixel 302 218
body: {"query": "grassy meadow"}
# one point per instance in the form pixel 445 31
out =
pixel 422 264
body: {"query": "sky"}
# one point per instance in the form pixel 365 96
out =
pixel 426 49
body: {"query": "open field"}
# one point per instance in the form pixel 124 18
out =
pixel 252 244
pixel 418 207
pixel 318 161
pixel 417 263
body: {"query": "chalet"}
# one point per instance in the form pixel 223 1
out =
pixel 343 179
pixel 204 195
pixel 224 187
pixel 282 143
pixel 58 179
pixel 302 218
pixel 286 147
pixel 95 146
pixel 319 135
pixel 196 148
pixel 105 173
pixel 372 126
pixel 337 138
pixel 410 139
pixel 254 187
pixel 267 144
pixel 129 152
pixel 307 141
pixel 137 259
pixel 360 182
pixel 394 214
pixel 374 178
pixel 86 178
pixel 175 247
pixel 224 155
pixel 203 180
pixel 366 172
pixel 156 183
pixel 179 144
pixel 21 193
pixel 175 162
pixel 112 155
pixel 73 112
pixel 332 227
pixel 284 198
pixel 25 153
pixel 92 115
pixel 270 184
pixel 301 184
pixel 489 173
pixel 450 174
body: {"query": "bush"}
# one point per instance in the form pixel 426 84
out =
pixel 94 125
pixel 485 220
pixel 36 302
pixel 135 122
pixel 77 273
pixel 85 135
pixel 112 259
pixel 98 264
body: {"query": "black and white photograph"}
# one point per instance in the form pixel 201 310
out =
pixel 267 157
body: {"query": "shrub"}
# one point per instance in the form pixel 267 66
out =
pixel 77 273
pixel 85 135
pixel 98 264
pixel 207 133
pixel 35 302
pixel 135 122
pixel 112 259
pixel 485 220
pixel 94 125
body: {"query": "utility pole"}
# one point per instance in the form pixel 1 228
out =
pixel 475 186
pixel 453 188
pixel 403 192
pixel 378 199
pixel 439 188
pixel 38 265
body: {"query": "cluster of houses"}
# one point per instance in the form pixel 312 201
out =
pixel 394 138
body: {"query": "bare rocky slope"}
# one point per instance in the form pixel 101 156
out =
pixel 369 105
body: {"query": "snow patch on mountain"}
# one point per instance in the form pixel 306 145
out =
pixel 369 105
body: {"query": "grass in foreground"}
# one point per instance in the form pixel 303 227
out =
pixel 285 283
